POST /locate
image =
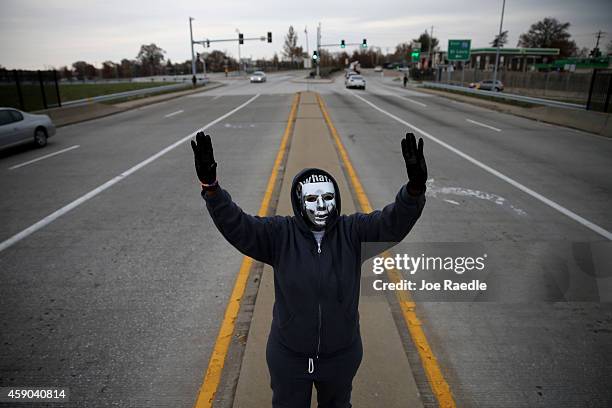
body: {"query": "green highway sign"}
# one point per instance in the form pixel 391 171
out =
pixel 459 50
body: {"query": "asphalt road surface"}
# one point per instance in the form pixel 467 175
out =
pixel 118 291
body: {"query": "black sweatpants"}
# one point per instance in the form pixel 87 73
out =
pixel 292 376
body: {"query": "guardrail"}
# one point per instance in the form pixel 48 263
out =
pixel 120 95
pixel 503 95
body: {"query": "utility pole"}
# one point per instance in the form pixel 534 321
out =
pixel 319 50
pixel 306 35
pixel 595 53
pixel 430 48
pixel 599 34
pixel 501 24
pixel 193 62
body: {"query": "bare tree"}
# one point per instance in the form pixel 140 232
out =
pixel 289 48
pixel 502 39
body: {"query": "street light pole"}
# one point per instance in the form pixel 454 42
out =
pixel 193 62
pixel 318 50
pixel 501 24
pixel 306 35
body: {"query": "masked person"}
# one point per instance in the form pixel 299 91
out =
pixel 316 256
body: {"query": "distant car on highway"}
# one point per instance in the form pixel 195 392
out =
pixel 378 68
pixel 258 76
pixel 487 85
pixel 355 81
pixel 17 127
pixel 349 73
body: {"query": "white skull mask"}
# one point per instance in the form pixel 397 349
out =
pixel 318 201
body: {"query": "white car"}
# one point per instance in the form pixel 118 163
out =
pixel 258 76
pixel 378 68
pixel 355 81
pixel 17 127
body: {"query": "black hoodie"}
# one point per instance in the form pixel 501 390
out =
pixel 316 293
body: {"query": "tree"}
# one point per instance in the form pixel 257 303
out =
pixel 289 48
pixel 84 70
pixel 65 73
pixel 582 52
pixel 402 52
pixel 126 68
pixel 424 40
pixel 151 57
pixel 109 70
pixel 502 39
pixel 549 33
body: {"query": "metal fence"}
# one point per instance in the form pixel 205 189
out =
pixel 600 91
pixel 570 87
pixel 29 90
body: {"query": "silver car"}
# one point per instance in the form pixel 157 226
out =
pixel 258 76
pixel 355 81
pixel 487 85
pixel 18 127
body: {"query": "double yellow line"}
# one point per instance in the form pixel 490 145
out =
pixel 209 387
pixel 439 386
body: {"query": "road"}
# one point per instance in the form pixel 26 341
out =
pixel 119 296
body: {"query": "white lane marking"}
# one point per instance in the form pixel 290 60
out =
pixel 173 113
pixel 411 100
pixel 216 97
pixel 58 213
pixel 467 192
pixel 43 157
pixel 590 225
pixel 451 201
pixel 483 125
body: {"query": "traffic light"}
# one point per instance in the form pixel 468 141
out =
pixel 207 43
pixel 342 44
pixel 364 44
pixel 240 38
pixel 315 56
pixel 416 55
pixel 269 37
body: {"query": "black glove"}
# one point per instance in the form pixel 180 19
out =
pixel 415 164
pixel 205 163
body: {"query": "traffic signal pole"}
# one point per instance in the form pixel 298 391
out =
pixel 193 64
pixel 206 44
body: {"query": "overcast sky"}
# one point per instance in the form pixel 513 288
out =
pixel 41 34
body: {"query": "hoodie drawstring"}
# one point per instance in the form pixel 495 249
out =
pixel 310 366
pixel 339 291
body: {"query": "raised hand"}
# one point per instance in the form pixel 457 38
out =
pixel 205 164
pixel 415 164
